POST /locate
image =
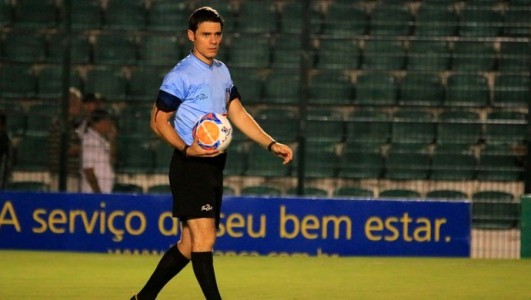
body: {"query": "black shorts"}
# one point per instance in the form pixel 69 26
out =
pixel 196 186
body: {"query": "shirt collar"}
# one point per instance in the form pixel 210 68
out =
pixel 202 64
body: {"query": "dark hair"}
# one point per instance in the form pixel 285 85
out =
pixel 204 14
pixel 93 97
pixel 98 115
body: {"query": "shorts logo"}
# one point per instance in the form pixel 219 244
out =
pixel 206 207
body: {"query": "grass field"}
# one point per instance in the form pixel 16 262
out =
pixel 61 275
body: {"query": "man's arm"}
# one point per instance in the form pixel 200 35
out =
pixel 247 124
pixel 92 180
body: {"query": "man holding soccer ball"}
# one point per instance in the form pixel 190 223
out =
pixel 197 85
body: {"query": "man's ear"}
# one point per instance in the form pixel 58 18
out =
pixel 191 35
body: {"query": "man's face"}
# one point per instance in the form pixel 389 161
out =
pixel 206 39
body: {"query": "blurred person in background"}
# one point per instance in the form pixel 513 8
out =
pixel 5 153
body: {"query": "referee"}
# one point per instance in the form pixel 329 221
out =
pixel 198 84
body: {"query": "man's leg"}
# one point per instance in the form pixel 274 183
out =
pixel 171 263
pixel 203 233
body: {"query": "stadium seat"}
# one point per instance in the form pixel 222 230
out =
pixel 450 148
pixel 390 20
pixel 280 86
pixel 514 56
pixel 287 51
pixel 108 81
pixel 80 49
pixel 25 154
pixel 17 81
pixel 499 168
pixel 135 155
pixel 435 21
pixel 159 189
pixel 144 83
pixel 28 186
pixel 260 190
pixel 119 49
pixel 384 55
pixel 446 195
pixel 320 164
pixel 292 18
pixel 16 117
pixel 467 90
pixel 50 82
pixel 337 54
pixel 479 22
pixel 228 191
pixel 511 91
pixel 459 127
pixel 505 127
pixel 251 86
pixel 134 120
pixel 400 194
pixel 256 17
pixel 361 165
pixel 494 210
pixel 473 56
pixel 368 126
pixel 36 14
pixel 127 188
pixel 162 155
pixel 344 21
pixel 332 87
pixel 324 125
pixel 427 55
pixel 240 56
pixel 354 192
pixel 308 192
pixel 86 15
pixel 453 167
pixel 21 47
pixel 376 88
pixel 517 22
pixel 237 158
pixel 260 163
pixel 413 126
pixel 159 50
pixel 421 89
pixel 281 123
pixel 166 15
pixel 128 15
pixel 6 13
pixel 407 166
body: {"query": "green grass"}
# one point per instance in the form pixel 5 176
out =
pixel 61 275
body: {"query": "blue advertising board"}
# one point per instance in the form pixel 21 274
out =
pixel 118 223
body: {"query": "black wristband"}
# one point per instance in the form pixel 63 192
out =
pixel 271 145
pixel 184 150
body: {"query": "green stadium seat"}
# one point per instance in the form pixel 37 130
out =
pixel 166 15
pixel 287 51
pixel 162 155
pixel 125 15
pixel 413 126
pixel 494 210
pixel 160 50
pixel 421 89
pixel 459 127
pixel 506 127
pixel 384 55
pixel 453 167
pixel 400 194
pixel 332 87
pixel 260 190
pixel 354 192
pixel 308 192
pixel 28 186
pixel 361 165
pixel 473 56
pixel 368 126
pixel 499 168
pixel 237 158
pixel 390 20
pixel 427 55
pixel 280 123
pixel 514 56
pixel 251 85
pixel 80 49
pixel 435 21
pixel 261 163
pixel 108 81
pixel 50 82
pixel 517 22
pixel 144 83
pixel 256 17
pixel 6 13
pixel 337 54
pixel 35 14
pixel 446 195
pixel 376 88
pixel 159 189
pixel 511 91
pixel 17 81
pixel 451 148
pixel 20 47
pixel 240 56
pixel 228 191
pixel 127 188
pixel 26 158
pixel 292 18
pixel 134 155
pixel 467 90
pixel 86 15
pixel 117 49
pixel 410 147
pixel 324 125
pixel 344 20
pixel 320 164
pixel 407 166
pixel 134 120
pixel 16 117
pixel 480 22
pixel 280 86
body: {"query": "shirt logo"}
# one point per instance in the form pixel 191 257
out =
pixel 201 97
pixel 206 207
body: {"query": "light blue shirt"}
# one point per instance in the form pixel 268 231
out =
pixel 202 89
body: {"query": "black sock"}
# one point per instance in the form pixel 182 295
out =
pixel 171 263
pixel 203 265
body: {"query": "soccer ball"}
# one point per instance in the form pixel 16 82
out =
pixel 213 132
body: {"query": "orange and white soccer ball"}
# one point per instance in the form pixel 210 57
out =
pixel 213 132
